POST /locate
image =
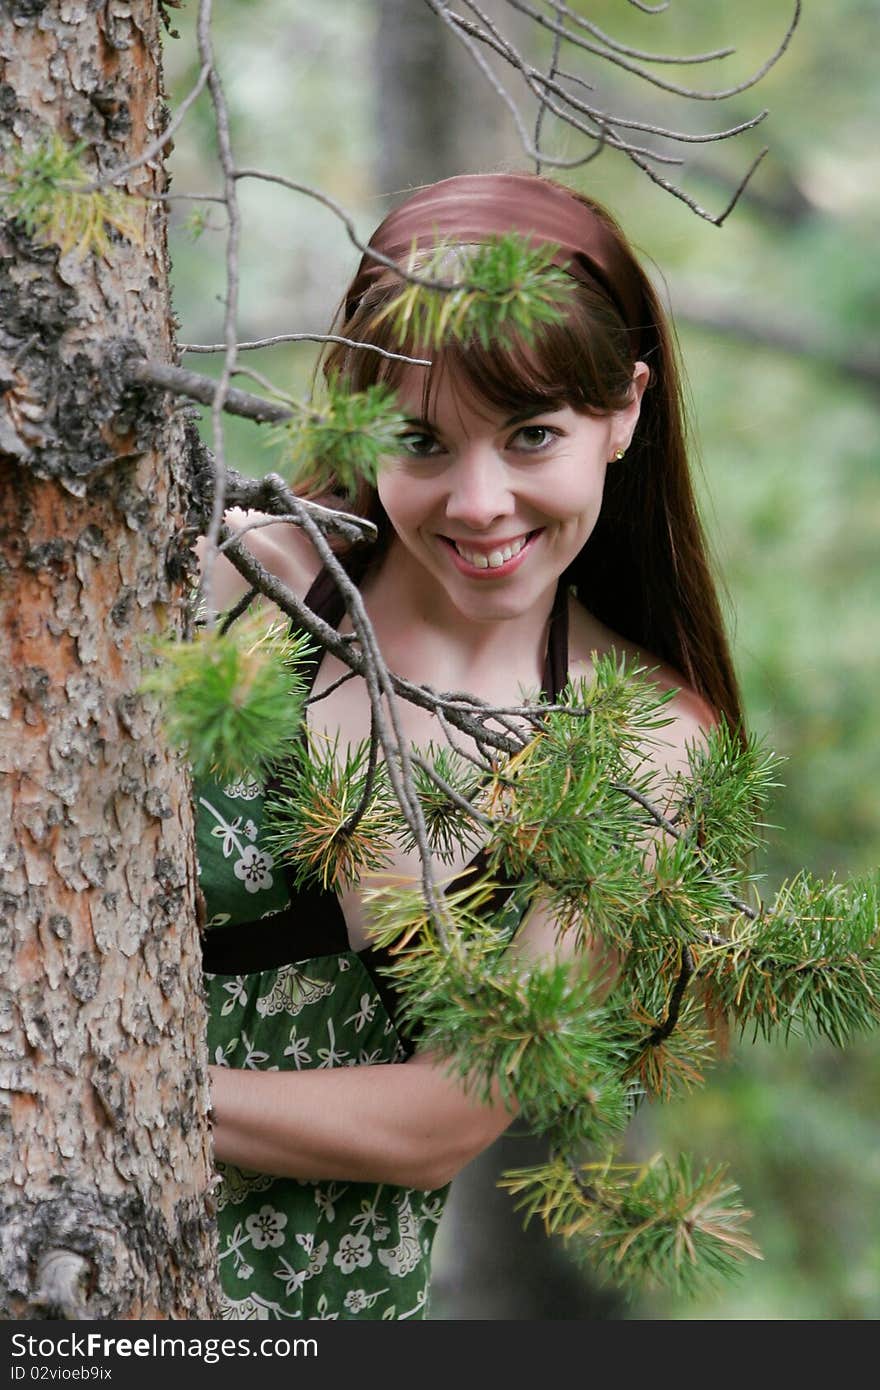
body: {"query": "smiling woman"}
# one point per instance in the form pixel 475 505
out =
pixel 538 512
pixel 478 496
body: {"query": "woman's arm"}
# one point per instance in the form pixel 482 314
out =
pixel 407 1123
pixel 280 547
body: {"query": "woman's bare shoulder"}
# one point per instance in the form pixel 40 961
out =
pixel 690 715
pixel 280 547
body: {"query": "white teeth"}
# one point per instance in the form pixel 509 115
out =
pixel 494 558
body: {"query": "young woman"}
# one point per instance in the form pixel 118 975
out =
pixel 538 511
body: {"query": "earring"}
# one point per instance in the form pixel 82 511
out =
pixel 619 455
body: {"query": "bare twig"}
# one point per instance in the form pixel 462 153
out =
pixel 272 494
pixel 580 22
pixel 329 689
pixel 685 975
pixel 542 106
pixel 466 33
pixel 398 759
pixel 448 791
pixel 238 609
pixel 601 126
pixel 650 9
pixel 619 60
pixel 201 388
pixel 268 385
pixel 230 336
pixel 308 338
pixel 353 821
pixel 348 224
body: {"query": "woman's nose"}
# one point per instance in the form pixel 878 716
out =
pixel 479 490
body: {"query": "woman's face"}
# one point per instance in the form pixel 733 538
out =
pixel 488 509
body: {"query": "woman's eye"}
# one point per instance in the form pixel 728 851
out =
pixel 534 437
pixel 419 444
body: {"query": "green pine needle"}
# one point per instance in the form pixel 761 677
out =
pixel 501 290
pixel 310 815
pixel 720 804
pixel 46 190
pixel 661 1225
pixel 344 437
pixel 450 830
pixel 807 966
pixel 233 701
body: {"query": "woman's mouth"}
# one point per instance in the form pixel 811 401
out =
pixel 490 563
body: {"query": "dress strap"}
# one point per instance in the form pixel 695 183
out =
pixel 555 675
pixel 324 598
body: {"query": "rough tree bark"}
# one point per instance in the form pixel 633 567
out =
pixel 104 1147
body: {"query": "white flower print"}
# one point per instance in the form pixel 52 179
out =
pixel 253 869
pixel 322 1315
pixel 325 1197
pixel 370 1215
pixel 224 830
pixel 266 1227
pixel 293 1278
pixel 298 1049
pixel 250 830
pixel 245 789
pixel 234 1243
pixel 253 1058
pixel 432 1209
pixel 401 1259
pixel 292 992
pixel 368 1059
pixel 420 1302
pixel 329 1056
pixel 354 1253
pixel 245 1309
pixel 237 995
pixel 356 1300
pixel 364 1014
pixel 317 1253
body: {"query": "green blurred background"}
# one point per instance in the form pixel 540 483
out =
pixel 366 98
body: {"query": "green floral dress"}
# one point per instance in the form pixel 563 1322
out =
pixel 292 1249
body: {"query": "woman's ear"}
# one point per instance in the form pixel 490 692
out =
pixel 626 419
pixel 640 378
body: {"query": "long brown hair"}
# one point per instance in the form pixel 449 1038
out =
pixel 645 570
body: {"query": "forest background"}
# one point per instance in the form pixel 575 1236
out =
pixel 777 314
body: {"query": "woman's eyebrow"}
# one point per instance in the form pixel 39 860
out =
pixel 418 422
pixel 543 408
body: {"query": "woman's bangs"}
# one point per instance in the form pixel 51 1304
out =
pixel 512 373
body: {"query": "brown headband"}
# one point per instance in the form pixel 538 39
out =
pixel 471 207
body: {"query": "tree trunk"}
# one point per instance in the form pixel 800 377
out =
pixel 436 113
pixel 103 1135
